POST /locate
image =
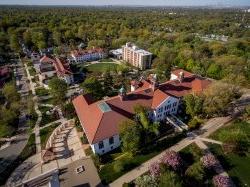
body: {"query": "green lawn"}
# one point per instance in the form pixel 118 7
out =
pixel 107 172
pixel 47 118
pixel 106 60
pixel 102 67
pixel 191 154
pixel 32 71
pixel 46 132
pixel 42 92
pixel 236 165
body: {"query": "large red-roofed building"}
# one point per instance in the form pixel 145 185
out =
pixel 100 120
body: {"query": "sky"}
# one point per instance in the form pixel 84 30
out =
pixel 131 2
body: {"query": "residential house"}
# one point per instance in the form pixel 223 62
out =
pixel 63 71
pixel 100 119
pixel 47 70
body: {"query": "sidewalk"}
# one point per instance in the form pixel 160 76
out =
pixel 211 126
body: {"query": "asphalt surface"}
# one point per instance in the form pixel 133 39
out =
pixel 10 153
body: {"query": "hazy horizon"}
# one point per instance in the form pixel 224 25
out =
pixel 129 2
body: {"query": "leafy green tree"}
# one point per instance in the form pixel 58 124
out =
pixel 93 86
pixel 10 92
pixel 218 97
pixel 58 90
pixel 195 174
pixel 214 71
pixel 130 134
pixel 194 104
pixel 108 83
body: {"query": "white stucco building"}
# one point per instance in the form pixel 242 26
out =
pixel 100 120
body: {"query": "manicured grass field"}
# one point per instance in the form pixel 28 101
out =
pixel 236 165
pixel 46 132
pixel 102 67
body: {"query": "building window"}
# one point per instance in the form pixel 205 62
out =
pixel 101 145
pixel 111 140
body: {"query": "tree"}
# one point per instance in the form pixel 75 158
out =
pixel 170 179
pixel 195 174
pixel 222 181
pixel 14 43
pixel 10 92
pixel 58 90
pixel 172 159
pixel 194 104
pixel 93 86
pixel 155 169
pixel 108 83
pixel 218 96
pixel 209 161
pixel 130 134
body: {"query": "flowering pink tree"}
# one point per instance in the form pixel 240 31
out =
pixel 222 181
pixel 172 159
pixel 154 169
pixel 209 161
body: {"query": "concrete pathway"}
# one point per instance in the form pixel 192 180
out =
pixel 210 126
pixel 36 129
pixel 49 124
pixel 219 169
pixel 64 154
pixel 210 140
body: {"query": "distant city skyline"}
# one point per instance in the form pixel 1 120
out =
pixel 131 2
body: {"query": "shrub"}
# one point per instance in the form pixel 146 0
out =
pixel 84 139
pixel 222 181
pixel 172 159
pixel 145 181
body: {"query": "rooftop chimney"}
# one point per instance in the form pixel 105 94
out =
pixel 154 82
pixel 181 76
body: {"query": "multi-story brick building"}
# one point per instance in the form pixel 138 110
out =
pixel 135 56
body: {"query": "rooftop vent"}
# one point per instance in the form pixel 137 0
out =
pixel 104 107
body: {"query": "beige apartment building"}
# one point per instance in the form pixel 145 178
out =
pixel 137 57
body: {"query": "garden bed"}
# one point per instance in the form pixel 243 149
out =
pixel 46 132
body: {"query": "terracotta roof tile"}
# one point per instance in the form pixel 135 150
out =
pixel 99 125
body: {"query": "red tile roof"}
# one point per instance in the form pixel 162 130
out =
pixel 100 125
pixel 47 59
pixel 177 72
pixel 87 51
pixel 62 67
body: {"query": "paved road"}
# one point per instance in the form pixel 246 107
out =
pixel 21 79
pixel 10 153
